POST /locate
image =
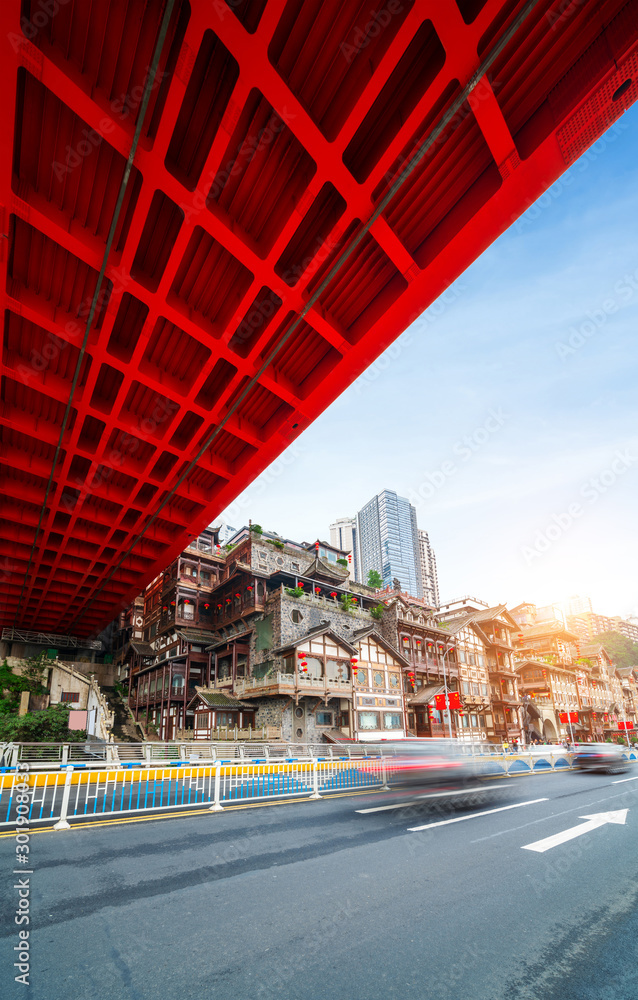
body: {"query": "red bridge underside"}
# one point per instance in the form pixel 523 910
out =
pixel 274 130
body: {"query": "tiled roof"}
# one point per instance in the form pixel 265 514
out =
pixel 143 648
pixel 218 699
pixel 314 633
pixel 546 628
pixel 426 694
pixel 194 635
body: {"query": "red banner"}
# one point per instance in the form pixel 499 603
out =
pixel 454 701
pixel 568 716
pixel 625 725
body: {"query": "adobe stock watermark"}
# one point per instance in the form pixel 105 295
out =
pixel 259 486
pixel 464 450
pixel 535 209
pixel 431 315
pixel 377 21
pixel 40 18
pixel 591 492
pixel 623 292
pixel 23 794
pixel 215 181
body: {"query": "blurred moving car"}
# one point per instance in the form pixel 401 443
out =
pixel 600 757
pixel 436 769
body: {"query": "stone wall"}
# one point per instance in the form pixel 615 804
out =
pixel 273 712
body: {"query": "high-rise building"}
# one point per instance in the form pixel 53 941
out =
pixel 577 605
pixel 387 539
pixel 343 534
pixel 429 579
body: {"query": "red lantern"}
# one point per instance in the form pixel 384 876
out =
pixel 249 587
pixel 237 595
pixel 354 600
pixel 333 593
pixel 317 590
pixel 207 606
pixel 300 584
pixel 219 605
pixel 354 660
pixel 228 600
pixel 172 604
pixel 165 608
pixel 302 656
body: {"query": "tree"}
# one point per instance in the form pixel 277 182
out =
pixel 623 652
pixel 12 685
pixel 375 579
pixel 51 725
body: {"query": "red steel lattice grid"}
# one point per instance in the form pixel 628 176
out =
pixel 272 149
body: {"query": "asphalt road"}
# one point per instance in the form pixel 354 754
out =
pixel 316 900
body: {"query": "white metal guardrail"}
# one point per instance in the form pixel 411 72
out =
pixel 97 753
pixel 184 777
pixel 87 795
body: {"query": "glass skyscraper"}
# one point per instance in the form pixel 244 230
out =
pixel 387 540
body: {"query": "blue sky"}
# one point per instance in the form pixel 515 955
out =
pixel 507 412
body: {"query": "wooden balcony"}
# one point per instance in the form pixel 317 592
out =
pixel 291 684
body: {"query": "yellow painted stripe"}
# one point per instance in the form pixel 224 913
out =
pixel 158 773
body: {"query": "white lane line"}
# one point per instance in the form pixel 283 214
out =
pixel 593 822
pixel 619 781
pixel 427 796
pixel 486 812
pixel 378 809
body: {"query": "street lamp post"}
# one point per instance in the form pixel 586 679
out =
pixel 446 649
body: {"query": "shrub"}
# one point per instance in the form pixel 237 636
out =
pixel 377 613
pixel 51 725
pixel 342 562
pixel 294 591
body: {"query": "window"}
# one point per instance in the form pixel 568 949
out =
pixel 295 567
pixel 473 720
pixel 315 667
pixel 361 676
pixel 369 720
pixel 296 616
pixel 394 680
pixel 205 577
pixel 336 671
pixel 178 684
pixel 202 720
pixel 378 679
pixel 69 696
pixel 324 718
pixel 392 720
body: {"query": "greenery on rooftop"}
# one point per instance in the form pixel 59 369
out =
pixel 623 652
pixel 48 725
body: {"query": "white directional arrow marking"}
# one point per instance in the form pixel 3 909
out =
pixel 593 821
